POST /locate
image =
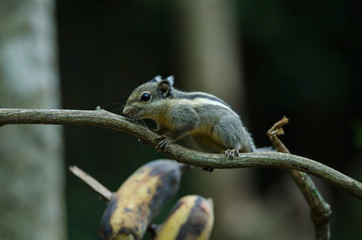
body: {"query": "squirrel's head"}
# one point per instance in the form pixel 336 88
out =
pixel 144 100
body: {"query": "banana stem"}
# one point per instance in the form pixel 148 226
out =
pixel 92 183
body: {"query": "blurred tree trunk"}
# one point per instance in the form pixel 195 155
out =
pixel 31 167
pixel 210 49
pixel 211 61
pixel 212 64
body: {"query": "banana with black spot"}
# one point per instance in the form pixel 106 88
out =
pixel 139 199
pixel 191 218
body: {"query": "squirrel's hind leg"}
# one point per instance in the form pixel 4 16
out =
pixel 231 134
pixel 231 154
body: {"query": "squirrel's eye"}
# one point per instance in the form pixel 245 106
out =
pixel 146 97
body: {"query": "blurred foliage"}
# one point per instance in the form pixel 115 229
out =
pixel 295 40
pixel 357 137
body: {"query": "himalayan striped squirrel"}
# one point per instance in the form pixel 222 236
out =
pixel 211 123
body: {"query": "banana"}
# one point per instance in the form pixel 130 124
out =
pixel 139 199
pixel 191 218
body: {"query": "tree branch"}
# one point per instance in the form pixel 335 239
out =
pixel 320 210
pixel 102 118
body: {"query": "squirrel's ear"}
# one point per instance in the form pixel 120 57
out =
pixel 164 88
pixel 156 79
pixel 171 80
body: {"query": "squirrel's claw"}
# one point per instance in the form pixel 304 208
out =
pixel 232 153
pixel 163 142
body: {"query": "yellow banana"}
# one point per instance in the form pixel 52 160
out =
pixel 139 199
pixel 191 218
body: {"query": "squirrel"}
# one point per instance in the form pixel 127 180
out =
pixel 212 124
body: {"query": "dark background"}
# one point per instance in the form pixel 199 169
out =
pixel 301 59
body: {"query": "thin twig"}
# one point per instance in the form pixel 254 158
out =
pixel 92 183
pixel 102 118
pixel 320 210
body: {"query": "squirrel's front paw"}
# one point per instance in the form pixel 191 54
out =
pixel 163 142
pixel 232 153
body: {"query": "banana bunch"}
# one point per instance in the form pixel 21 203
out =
pixel 191 218
pixel 139 199
pixel 143 195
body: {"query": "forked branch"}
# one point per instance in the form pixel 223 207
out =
pixel 320 210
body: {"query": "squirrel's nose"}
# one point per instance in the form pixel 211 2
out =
pixel 126 111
